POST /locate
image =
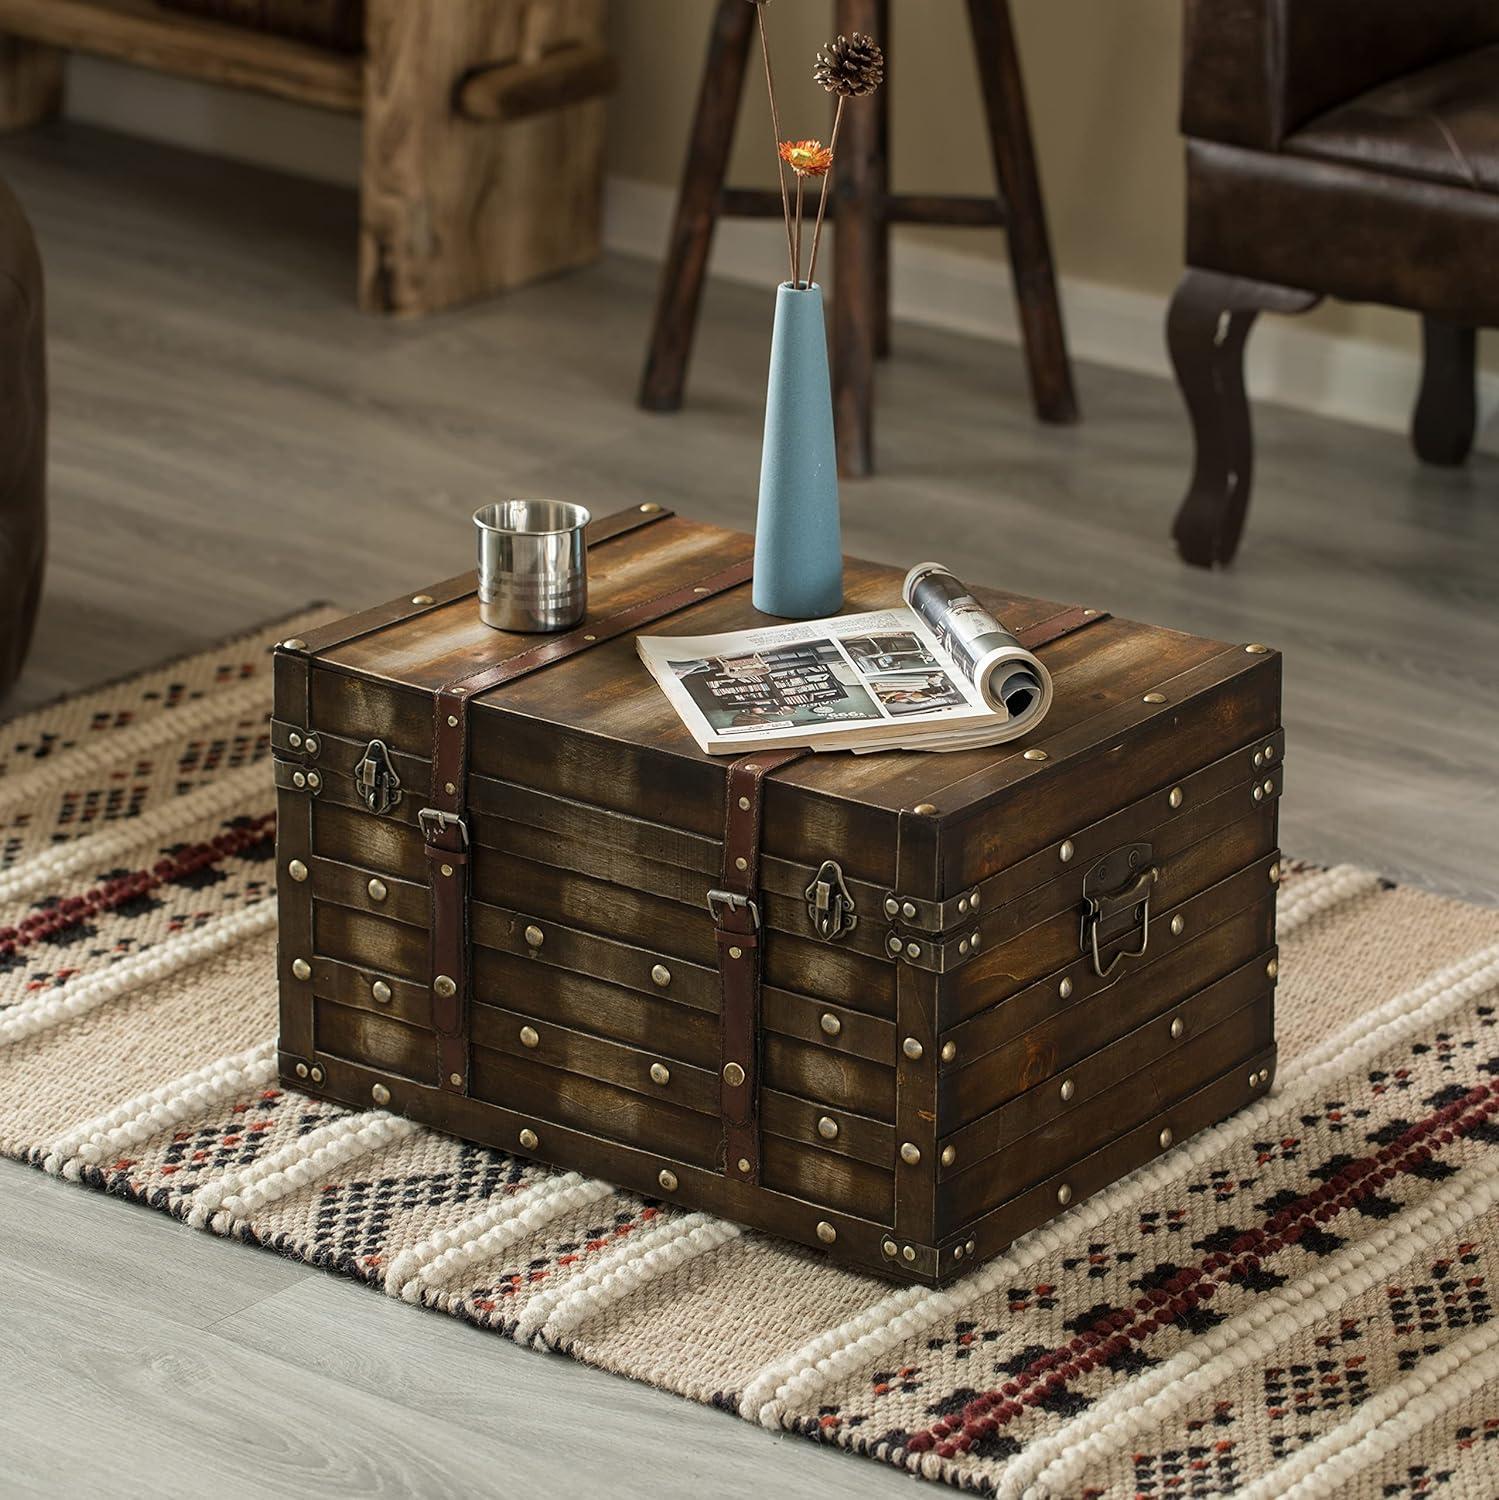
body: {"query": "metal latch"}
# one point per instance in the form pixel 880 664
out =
pixel 830 908
pixel 733 901
pixel 1118 882
pixel 375 779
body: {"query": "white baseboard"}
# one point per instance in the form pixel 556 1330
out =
pixel 1354 380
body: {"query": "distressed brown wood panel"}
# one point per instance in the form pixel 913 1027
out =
pixel 374 1041
pixel 852 1187
pixel 830 1077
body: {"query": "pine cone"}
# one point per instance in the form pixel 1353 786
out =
pixel 852 68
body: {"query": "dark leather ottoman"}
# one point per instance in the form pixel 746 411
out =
pixel 23 436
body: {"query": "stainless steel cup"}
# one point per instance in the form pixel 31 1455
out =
pixel 533 565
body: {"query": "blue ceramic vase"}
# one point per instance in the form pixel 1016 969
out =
pixel 798 541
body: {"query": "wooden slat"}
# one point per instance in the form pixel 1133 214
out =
pixel 136 31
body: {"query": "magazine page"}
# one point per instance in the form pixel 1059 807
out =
pixel 838 683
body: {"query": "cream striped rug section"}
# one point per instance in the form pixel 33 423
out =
pixel 1295 1302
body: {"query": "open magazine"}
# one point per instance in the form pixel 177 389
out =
pixel 939 674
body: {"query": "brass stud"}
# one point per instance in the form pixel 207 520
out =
pixel 314 781
pixel 380 1094
pixel 893 943
pixel 1258 793
pixel 590 638
pixel 378 890
pixel 1259 758
pixel 381 991
pixel 1178 1029
pixel 957 1252
pixel 1178 925
pixel 315 1073
pixel 1037 755
pixel 528 1139
pixel 912 1048
pixel 668 1179
pixel 450 788
pixel 294 740
pixel 969 1247
pixel 963 945
pixel 973 900
pixel 973 942
pixel 299 779
pixel 660 1074
pixel 456 1079
pixel 650 508
pixel 910 1153
pixel 827 1128
pixel 744 1166
pixel 908 1252
pixel 744 804
pixel 1254 1080
pixel 301 1070
pixel 660 976
pixel 1066 852
pixel 962 905
pixel 297 870
pixel 1068 1089
pixel 830 1024
pixel 1269 752
pixel 1064 989
pixel 447 871
pixel 422 599
pixel 1064 1195
pixel 908 910
pixel 1274 873
pixel 926 809
pixel 949 1051
pixel 310 744
pixel 1272 968
pixel 1174 796
pixel 1165 1137
pixel 733 1074
pixel 825 1232
pixel 294 643
pixel 892 907
pixel 1256 649
pixel 452 721
pixel 949 1155
pixel 528 1037
pixel 1155 698
pixel 913 950
pixel 741 863
pixel 301 969
pixel 889 1248
pixel 535 937
pixel 444 987
pixel 736 952
pixel 1269 788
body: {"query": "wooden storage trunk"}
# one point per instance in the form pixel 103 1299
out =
pixel 937 997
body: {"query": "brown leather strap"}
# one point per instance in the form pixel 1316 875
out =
pixel 734 905
pixel 409 606
pixel 443 822
pixel 1044 632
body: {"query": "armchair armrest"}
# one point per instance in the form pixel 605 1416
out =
pixel 1256 70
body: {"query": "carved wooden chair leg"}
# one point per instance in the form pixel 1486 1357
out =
pixel 1206 330
pixel 1447 408
pixel 1025 211
pixel 686 265
pixel 856 266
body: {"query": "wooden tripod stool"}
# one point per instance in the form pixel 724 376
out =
pixel 864 210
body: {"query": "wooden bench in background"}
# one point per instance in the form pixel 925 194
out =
pixel 483 120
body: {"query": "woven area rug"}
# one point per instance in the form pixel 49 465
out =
pixel 1296 1302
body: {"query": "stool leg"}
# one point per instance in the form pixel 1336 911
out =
pixel 1447 410
pixel 697 207
pixel 856 266
pixel 1030 244
pixel 881 103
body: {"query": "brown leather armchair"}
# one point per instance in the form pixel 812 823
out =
pixel 23 436
pixel 1340 148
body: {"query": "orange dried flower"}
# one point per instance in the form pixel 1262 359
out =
pixel 807 158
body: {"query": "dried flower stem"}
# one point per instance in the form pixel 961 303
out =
pixel 822 205
pixel 775 121
pixel 796 252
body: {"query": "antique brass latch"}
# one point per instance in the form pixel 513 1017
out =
pixel 830 908
pixel 375 778
pixel 1118 882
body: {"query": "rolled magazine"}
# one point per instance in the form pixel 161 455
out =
pixel 1013 681
pixel 939 674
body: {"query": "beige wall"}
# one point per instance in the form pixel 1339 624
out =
pixel 1103 81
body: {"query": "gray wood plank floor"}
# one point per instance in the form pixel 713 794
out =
pixel 231 439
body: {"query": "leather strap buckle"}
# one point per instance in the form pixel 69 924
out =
pixel 720 901
pixel 435 823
